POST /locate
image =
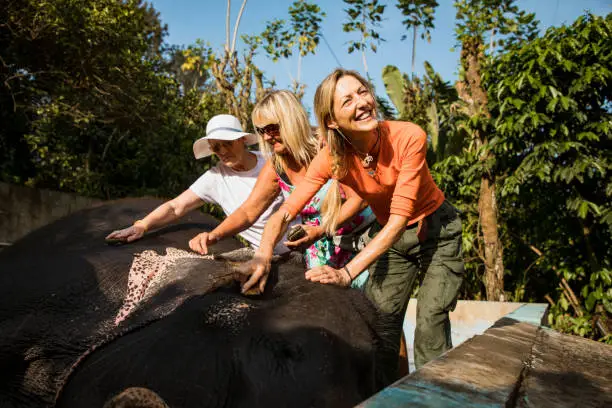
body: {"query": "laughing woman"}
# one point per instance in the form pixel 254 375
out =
pixel 417 229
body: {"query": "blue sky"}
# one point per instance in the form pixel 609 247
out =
pixel 189 20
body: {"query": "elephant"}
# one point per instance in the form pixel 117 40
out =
pixel 191 338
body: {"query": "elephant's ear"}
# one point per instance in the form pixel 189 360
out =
pixel 136 397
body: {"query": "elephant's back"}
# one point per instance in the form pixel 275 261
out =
pixel 300 344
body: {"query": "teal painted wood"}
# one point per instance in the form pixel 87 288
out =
pixel 425 394
pixel 532 313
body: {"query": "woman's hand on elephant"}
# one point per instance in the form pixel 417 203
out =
pixel 328 275
pixel 257 271
pixel 128 234
pixel 200 242
pixel 313 233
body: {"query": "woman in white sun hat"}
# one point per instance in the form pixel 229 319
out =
pixel 228 184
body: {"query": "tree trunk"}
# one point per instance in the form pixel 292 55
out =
pixel 299 68
pixel 227 25
pixel 586 232
pixel 473 93
pixel 493 250
pixel 414 38
pixel 365 64
pixel 364 46
pixel 233 47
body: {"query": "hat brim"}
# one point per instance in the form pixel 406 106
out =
pixel 201 148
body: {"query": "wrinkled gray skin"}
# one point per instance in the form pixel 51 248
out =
pixel 192 343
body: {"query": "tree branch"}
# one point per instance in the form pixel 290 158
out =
pixel 236 25
pixel 227 26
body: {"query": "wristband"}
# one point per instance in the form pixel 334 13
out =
pixel 142 224
pixel 348 273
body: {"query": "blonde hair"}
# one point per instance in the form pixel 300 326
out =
pixel 324 111
pixel 284 108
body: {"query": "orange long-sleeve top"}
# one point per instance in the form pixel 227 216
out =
pixel 402 183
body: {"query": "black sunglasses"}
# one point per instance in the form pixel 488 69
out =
pixel 271 129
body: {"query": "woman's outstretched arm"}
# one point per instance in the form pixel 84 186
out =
pixel 163 215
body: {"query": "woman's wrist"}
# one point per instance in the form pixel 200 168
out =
pixel 264 256
pixel 214 236
pixel 348 273
pixel 141 224
pixel 321 231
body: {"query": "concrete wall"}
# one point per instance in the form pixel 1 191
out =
pixel 24 209
pixel 469 318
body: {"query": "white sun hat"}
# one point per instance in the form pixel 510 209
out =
pixel 221 127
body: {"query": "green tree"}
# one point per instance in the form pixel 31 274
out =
pixel 190 72
pixel 550 100
pixel 364 17
pixel 89 105
pixel 301 32
pixel 418 13
pixel 427 102
pixel 476 19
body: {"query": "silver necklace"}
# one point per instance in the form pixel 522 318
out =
pixel 368 159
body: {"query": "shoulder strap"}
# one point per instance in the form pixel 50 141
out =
pixel 283 176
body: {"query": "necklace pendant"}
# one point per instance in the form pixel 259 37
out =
pixel 367 160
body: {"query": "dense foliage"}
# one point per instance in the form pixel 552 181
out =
pixel 552 103
pixel 550 130
pixel 88 100
pixel 300 34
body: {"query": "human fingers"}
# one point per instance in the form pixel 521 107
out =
pixel 112 235
pixel 300 243
pixel 326 275
pixel 315 274
pixel 258 269
pixel 330 279
pixel 195 245
pixel 253 279
pixel 305 241
pixel 127 234
pixel 203 238
pixel 131 236
pixel 289 244
pixel 315 231
pixel 262 282
pixel 133 233
pixel 119 234
pixel 337 277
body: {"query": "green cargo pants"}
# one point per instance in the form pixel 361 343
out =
pixel 392 278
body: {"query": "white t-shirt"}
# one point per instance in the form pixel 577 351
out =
pixel 230 188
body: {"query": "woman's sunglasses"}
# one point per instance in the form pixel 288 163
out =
pixel 272 129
